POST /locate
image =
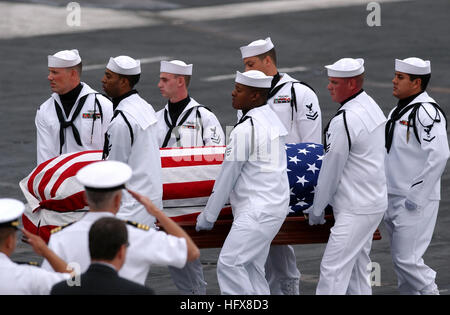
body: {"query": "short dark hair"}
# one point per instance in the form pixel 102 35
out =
pixel 425 78
pixel 99 199
pixel 106 236
pixel 264 92
pixel 271 53
pixel 132 79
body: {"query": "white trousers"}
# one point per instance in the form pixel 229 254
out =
pixel 240 268
pixel 282 273
pixel 189 280
pixel 345 265
pixel 410 234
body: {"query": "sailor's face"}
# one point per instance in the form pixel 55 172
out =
pixel 254 63
pixel 111 83
pixel 402 85
pixel 241 96
pixel 60 80
pixel 168 84
pixel 338 88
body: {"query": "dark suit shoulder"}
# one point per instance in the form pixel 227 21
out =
pixel 101 280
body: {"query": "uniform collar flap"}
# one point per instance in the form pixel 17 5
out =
pixel 139 109
pixel 261 115
pixel 367 110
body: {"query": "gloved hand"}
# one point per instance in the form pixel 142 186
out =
pixel 410 205
pixel 203 223
pixel 315 219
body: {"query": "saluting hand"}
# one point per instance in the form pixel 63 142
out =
pixel 38 244
pixel 148 204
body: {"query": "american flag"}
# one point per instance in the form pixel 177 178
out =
pixel 55 197
pixel 304 161
pixel 188 176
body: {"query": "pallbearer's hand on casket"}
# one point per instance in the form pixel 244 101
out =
pixel 202 223
pixel 314 217
pixel 410 205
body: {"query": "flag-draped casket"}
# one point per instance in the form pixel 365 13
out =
pixel 55 198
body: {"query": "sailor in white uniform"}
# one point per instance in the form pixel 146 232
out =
pixel 417 152
pixel 75 117
pixel 254 177
pixel 132 137
pixel 195 126
pixel 184 122
pixel 15 278
pixel 352 180
pixel 103 182
pixel 297 106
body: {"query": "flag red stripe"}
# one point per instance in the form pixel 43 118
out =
pixel 71 203
pixel 28 225
pixel 191 160
pixel 187 190
pixel 43 231
pixel 35 173
pixel 69 172
pixel 49 173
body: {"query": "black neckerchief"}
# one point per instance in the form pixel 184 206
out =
pixel 175 109
pixel 351 97
pixel 275 80
pixel 69 99
pixel 403 102
pixel 403 106
pixel 117 100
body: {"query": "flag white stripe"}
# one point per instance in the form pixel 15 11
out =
pixel 192 151
pixel 65 166
pixel 190 174
pixel 188 202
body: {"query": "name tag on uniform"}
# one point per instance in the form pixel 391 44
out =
pixel 90 115
pixel 189 126
pixel 404 122
pixel 282 99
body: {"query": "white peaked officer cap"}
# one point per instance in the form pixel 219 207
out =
pixel 254 78
pixel 10 212
pixel 256 48
pixel 176 67
pixel 413 65
pixel 64 59
pixel 104 175
pixel 124 65
pixel 346 68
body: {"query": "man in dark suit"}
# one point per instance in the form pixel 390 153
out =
pixel 108 242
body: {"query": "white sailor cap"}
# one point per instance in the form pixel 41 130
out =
pixel 10 212
pixel 104 175
pixel 64 59
pixel 176 67
pixel 124 65
pixel 413 65
pixel 256 48
pixel 254 78
pixel 346 68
